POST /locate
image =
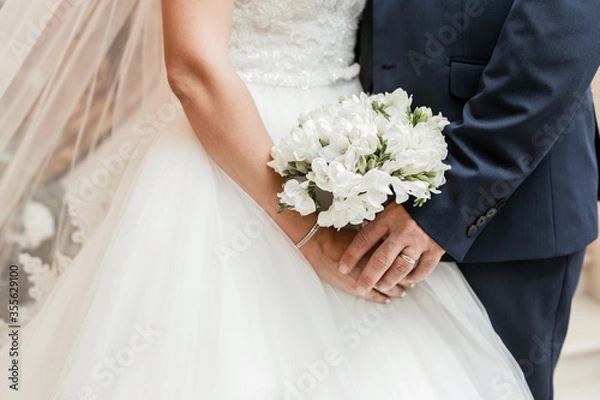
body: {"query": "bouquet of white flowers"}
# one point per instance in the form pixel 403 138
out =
pixel 361 150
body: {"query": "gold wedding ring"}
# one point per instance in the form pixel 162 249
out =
pixel 408 259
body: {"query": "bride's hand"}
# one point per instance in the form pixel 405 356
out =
pixel 324 250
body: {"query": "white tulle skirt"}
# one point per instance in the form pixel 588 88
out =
pixel 187 290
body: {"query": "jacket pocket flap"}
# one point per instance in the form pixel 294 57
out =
pixel 464 78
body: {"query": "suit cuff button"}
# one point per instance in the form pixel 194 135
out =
pixel 472 231
pixel 481 221
pixel 491 212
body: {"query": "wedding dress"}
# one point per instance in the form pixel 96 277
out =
pixel 187 290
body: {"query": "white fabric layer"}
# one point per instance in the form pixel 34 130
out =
pixel 188 291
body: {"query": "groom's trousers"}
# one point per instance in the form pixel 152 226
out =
pixel 529 304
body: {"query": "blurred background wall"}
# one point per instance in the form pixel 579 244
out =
pixel 591 281
pixel 578 371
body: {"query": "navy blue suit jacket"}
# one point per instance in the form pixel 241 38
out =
pixel 514 77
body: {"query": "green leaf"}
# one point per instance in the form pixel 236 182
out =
pixel 283 207
pixel 383 159
pixel 312 192
pixel 362 164
pixel 379 108
pixel 383 143
pixel 419 202
pixel 371 164
pixel 297 168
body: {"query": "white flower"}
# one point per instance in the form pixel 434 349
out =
pixel 346 182
pixel 296 195
pixel 403 189
pixel 343 212
pixel 320 175
pixel 358 150
pixel 375 187
pixel 400 101
pixel 438 122
pixel 282 153
pixel 335 178
pixel 305 143
pixel 364 139
pixel 351 210
pixel 336 147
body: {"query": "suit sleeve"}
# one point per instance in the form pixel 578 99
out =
pixel 540 69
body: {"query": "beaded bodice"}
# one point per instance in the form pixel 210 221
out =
pixel 297 43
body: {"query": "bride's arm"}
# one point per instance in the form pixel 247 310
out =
pixel 218 104
pixel 224 117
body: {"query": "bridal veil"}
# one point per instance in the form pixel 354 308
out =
pixel 82 86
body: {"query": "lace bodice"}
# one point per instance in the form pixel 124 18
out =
pixel 295 43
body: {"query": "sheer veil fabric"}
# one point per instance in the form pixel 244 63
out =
pixel 77 79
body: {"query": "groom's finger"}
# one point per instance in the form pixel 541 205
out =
pixel 399 269
pixel 381 260
pixel 362 243
pixel 425 267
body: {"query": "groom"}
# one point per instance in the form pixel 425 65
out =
pixel 519 206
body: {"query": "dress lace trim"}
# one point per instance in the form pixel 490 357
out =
pixel 301 79
pixel 295 44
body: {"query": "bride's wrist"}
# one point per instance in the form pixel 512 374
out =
pixel 317 245
pixel 296 226
pixel 308 236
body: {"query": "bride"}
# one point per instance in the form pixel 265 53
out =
pixel 191 285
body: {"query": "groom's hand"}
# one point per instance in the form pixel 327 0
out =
pixel 400 236
pixel 323 252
